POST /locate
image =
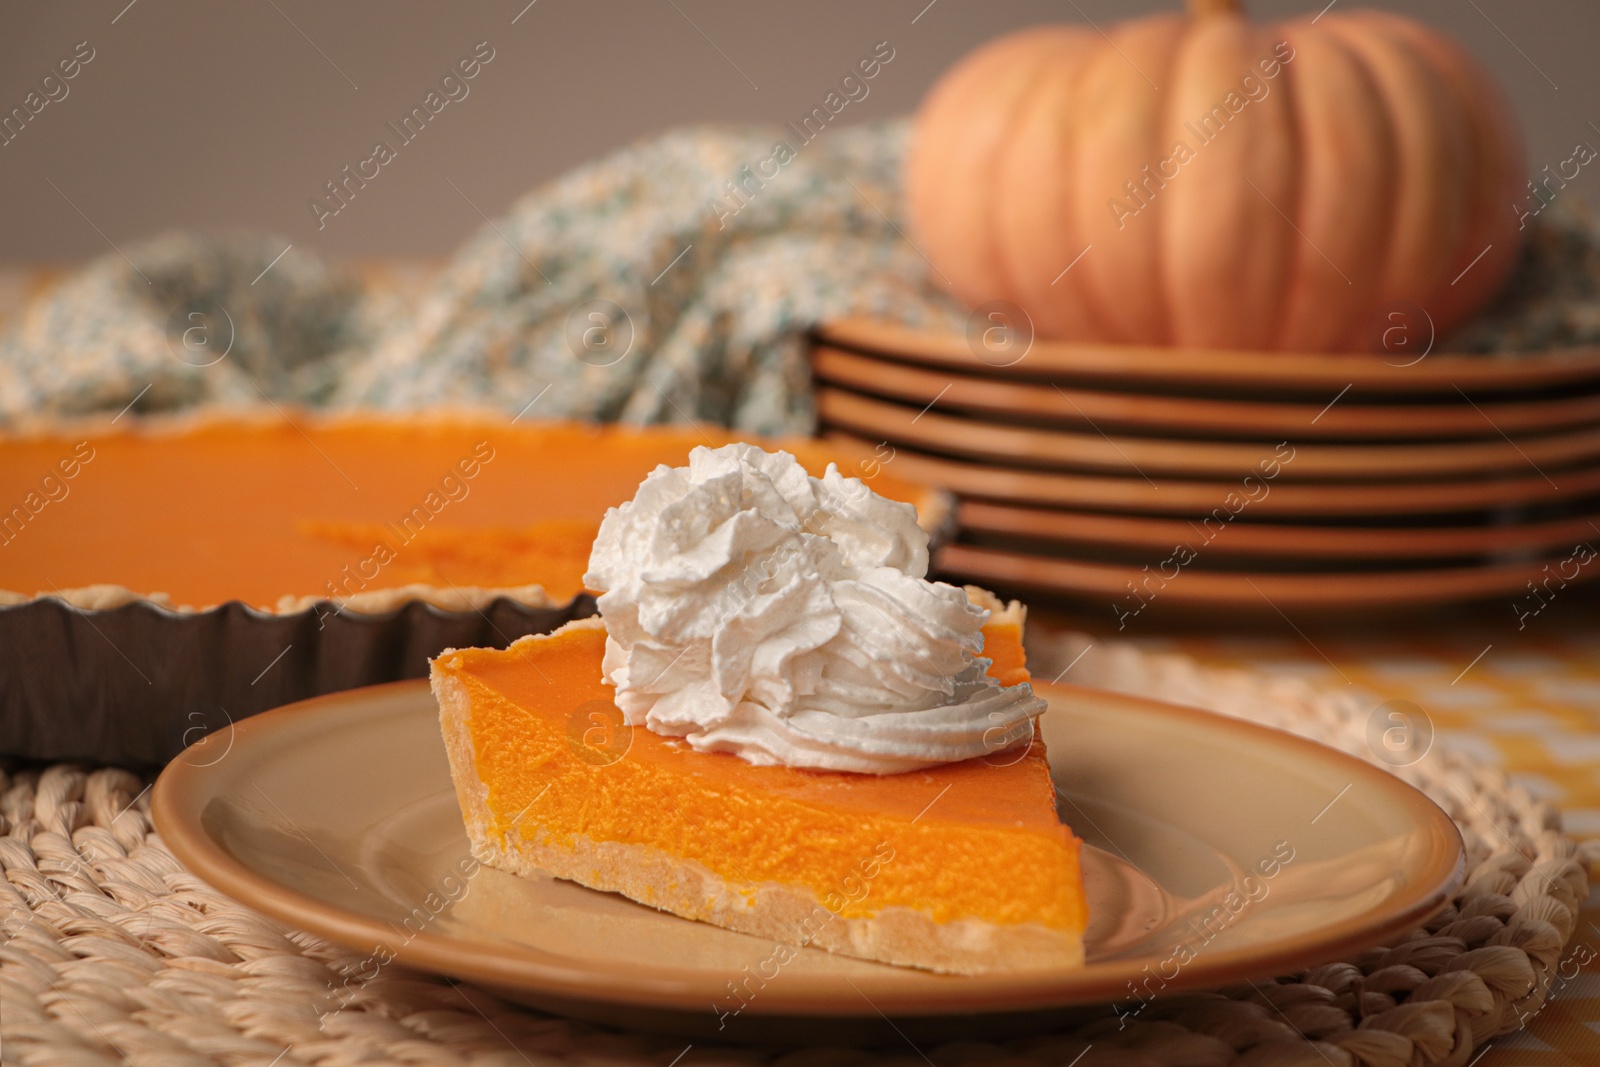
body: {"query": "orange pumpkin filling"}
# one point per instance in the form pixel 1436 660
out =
pixel 259 508
pixel 977 840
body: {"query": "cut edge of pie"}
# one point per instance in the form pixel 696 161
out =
pixel 905 936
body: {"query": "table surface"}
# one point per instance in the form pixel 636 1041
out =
pixel 1517 689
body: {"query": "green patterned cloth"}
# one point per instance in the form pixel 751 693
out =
pixel 672 280
pixel 115 331
pixel 707 293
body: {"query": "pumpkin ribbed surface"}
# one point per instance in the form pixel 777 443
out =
pixel 1216 183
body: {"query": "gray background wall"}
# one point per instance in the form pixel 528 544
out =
pixel 212 114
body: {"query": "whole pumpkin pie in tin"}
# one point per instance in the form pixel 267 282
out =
pixel 161 579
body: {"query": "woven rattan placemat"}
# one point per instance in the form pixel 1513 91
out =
pixel 113 953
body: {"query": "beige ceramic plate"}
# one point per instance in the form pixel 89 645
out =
pixel 1173 496
pixel 1311 544
pixel 1000 439
pixel 1109 409
pixel 1264 593
pixel 1258 373
pixel 336 815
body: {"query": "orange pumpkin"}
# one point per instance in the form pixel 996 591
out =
pixel 1226 184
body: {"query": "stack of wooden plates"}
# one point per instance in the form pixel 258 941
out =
pixel 1256 481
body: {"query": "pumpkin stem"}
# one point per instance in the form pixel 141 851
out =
pixel 1202 8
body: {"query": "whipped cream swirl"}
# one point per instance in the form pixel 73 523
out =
pixel 753 609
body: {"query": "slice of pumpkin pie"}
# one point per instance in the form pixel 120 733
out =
pixel 779 727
